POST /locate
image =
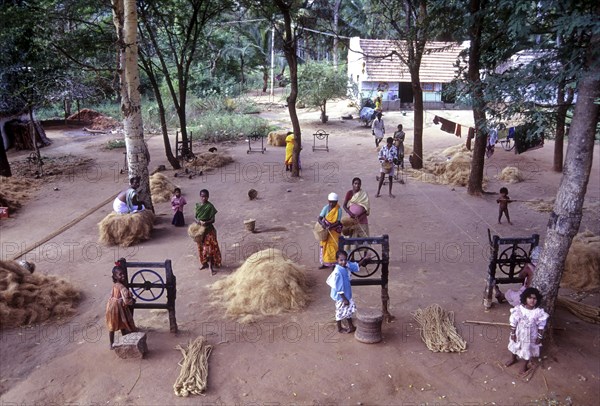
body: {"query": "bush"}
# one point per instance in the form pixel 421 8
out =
pixel 115 144
pixel 221 126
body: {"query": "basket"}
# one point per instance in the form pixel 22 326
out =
pixel 320 233
pixel 349 225
pixel 196 232
pixel 250 225
pixel 386 167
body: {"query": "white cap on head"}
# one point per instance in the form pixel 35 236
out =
pixel 332 197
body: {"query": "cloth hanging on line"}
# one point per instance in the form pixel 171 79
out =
pixel 492 138
pixel 470 136
pixel 447 125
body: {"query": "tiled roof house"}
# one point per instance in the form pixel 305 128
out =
pixel 373 73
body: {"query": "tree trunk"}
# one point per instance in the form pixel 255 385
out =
pixel 561 119
pixel 336 17
pixel 243 77
pixel 125 19
pixel 163 123
pixel 67 107
pixel 165 133
pixel 324 112
pixel 181 114
pixel 475 185
pixel 290 42
pixel 4 164
pixel 265 79
pixel 565 219
pixel 415 56
pixel 34 140
pixel 417 160
pixel 293 97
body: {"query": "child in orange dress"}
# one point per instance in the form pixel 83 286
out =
pixel 119 309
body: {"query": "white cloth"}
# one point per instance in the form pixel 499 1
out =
pixel 527 323
pixel 342 311
pixel 120 207
pixel 378 128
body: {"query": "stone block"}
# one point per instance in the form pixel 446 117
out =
pixel 132 345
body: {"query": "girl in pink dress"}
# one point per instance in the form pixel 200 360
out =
pixel 527 323
pixel 177 203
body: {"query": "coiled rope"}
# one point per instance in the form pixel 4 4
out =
pixel 193 376
pixel 438 331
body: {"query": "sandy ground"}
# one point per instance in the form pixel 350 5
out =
pixel 438 249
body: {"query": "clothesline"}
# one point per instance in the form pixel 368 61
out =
pixel 427 113
pixel 523 141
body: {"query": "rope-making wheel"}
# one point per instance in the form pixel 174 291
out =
pixel 370 266
pixel 514 254
pixel 144 285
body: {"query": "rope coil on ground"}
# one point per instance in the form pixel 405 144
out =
pixel 438 331
pixel 193 376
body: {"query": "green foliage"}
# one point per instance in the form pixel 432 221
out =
pixel 528 50
pixel 221 126
pixel 319 82
pixel 115 144
pixel 214 102
pixel 42 62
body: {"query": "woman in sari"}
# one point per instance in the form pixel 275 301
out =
pixel 330 218
pixel 356 204
pixel 208 248
pixel 289 150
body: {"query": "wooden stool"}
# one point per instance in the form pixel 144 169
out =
pixel 368 326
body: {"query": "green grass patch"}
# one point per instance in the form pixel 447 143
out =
pixel 223 126
pixel 115 144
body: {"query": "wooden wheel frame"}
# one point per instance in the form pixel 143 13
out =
pixel 148 278
pixel 514 253
pixel 371 266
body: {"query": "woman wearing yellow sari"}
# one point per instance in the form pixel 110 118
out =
pixel 289 149
pixel 330 218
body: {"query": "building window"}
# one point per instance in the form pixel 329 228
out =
pixel 427 87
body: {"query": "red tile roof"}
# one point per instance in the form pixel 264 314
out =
pixel 437 65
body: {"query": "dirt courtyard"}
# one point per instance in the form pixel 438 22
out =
pixel 438 252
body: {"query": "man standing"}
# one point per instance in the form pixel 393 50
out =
pixel 387 155
pixel 378 129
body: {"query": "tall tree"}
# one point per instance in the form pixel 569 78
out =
pixel 31 76
pixel 171 34
pixel 477 11
pixel 290 47
pixel 319 82
pixel 336 23
pixel 286 19
pixel 408 23
pixel 566 215
pixel 125 20
pixel 533 62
